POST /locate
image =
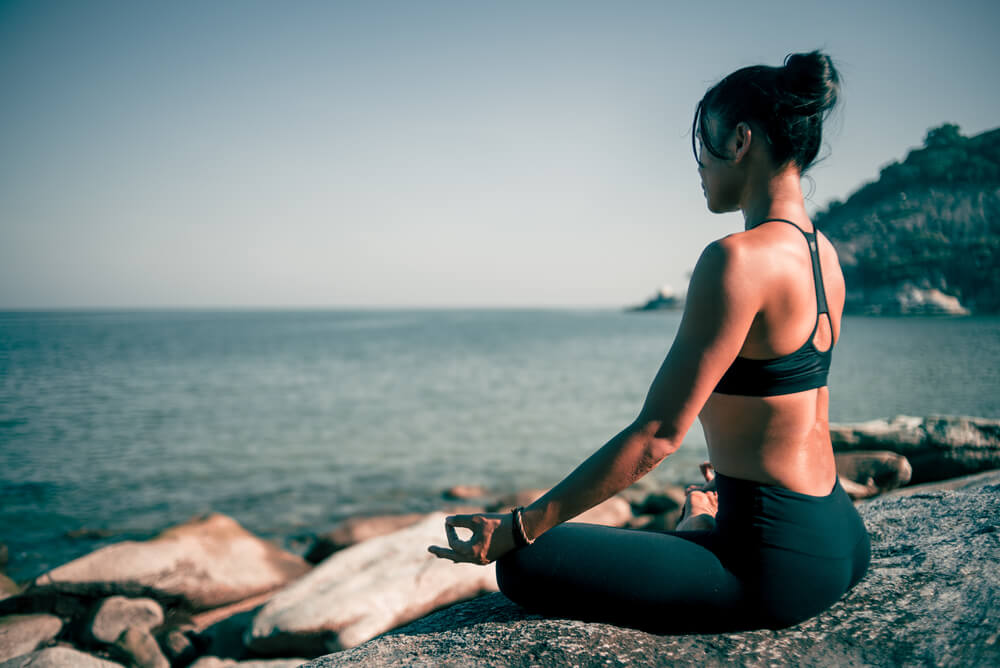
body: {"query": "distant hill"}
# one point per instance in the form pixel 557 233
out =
pixel 924 237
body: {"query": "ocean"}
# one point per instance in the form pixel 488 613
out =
pixel 117 424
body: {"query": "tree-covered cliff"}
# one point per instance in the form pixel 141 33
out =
pixel 928 229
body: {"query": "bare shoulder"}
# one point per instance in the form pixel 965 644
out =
pixel 726 268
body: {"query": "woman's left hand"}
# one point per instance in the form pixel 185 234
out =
pixel 492 537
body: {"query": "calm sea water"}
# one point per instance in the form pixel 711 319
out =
pixel 127 422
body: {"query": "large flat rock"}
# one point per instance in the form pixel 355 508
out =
pixel 937 447
pixel 931 597
pixel 22 634
pixel 205 563
pixel 59 657
pixel 365 590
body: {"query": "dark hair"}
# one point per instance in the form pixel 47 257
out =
pixel 789 103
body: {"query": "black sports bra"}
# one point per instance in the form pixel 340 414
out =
pixel 804 369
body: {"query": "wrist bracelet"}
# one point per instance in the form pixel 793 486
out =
pixel 520 537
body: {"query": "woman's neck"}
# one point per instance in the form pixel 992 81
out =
pixel 776 195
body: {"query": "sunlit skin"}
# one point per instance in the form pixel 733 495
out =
pixel 751 294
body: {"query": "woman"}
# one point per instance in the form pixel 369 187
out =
pixel 750 360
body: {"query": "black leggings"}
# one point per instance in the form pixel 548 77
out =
pixel 775 558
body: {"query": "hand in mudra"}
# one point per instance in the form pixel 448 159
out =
pixel 492 537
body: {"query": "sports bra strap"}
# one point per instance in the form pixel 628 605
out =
pixel 811 238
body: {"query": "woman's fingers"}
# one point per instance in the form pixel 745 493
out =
pixel 445 553
pixel 464 521
pixel 707 471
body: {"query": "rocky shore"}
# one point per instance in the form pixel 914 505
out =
pixel 208 593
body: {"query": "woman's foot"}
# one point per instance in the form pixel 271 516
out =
pixel 701 503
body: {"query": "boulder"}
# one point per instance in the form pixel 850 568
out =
pixel 59 657
pixel 216 662
pixel 366 590
pixel 664 500
pixel 931 597
pixel 8 587
pixel 177 646
pixel 204 563
pixel 869 473
pixel 464 492
pixel 139 648
pixel 508 502
pixel 117 613
pixel 356 529
pixel 21 634
pixel 937 447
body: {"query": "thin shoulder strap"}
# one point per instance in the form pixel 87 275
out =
pixel 812 239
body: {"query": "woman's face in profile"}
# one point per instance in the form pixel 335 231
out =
pixel 721 192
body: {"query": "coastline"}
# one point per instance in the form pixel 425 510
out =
pixel 200 600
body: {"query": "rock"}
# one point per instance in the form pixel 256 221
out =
pixel 937 447
pixel 356 529
pixel 953 484
pixel 204 620
pixel 8 587
pixel 117 613
pixel 868 473
pixel 366 590
pixel 140 648
pixel 204 563
pixel 665 500
pixel 904 299
pixel 21 634
pixel 464 492
pixel 661 522
pixel 58 657
pixel 177 646
pixel 930 598
pixel 224 636
pixel 90 533
pixel 215 662
pixel 615 512
pixel 508 502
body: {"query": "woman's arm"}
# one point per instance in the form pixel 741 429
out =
pixel 721 305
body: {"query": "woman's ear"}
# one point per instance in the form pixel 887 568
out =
pixel 740 141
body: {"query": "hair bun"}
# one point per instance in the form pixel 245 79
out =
pixel 811 81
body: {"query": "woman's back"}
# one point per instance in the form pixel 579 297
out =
pixel 781 438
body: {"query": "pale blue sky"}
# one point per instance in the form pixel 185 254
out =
pixel 419 153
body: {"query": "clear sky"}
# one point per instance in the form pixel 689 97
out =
pixel 420 153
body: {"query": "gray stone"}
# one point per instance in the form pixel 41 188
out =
pixel 21 634
pixel 931 597
pixel 8 587
pixel 868 473
pixel 117 613
pixel 216 662
pixel 366 590
pixel 357 529
pixel 201 564
pixel 59 657
pixel 139 646
pixel 464 492
pixel 177 646
pixel 937 447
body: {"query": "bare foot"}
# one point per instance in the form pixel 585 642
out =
pixel 701 503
